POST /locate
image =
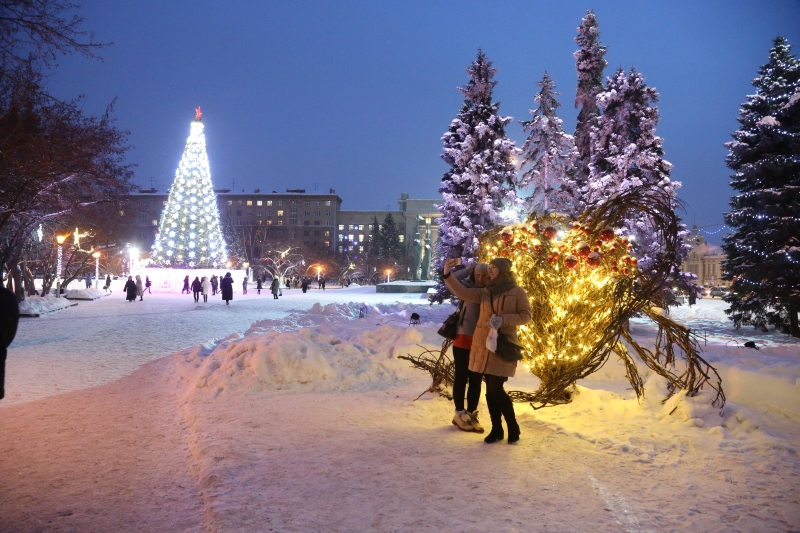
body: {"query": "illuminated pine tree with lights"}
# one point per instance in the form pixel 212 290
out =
pixel 482 176
pixel 189 233
pixel 763 250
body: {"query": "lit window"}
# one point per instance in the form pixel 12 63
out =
pixel 230 202
pixel 269 203
pixel 327 243
pixel 350 227
pixel 259 202
pixel 280 212
pixel 269 222
pixel 341 227
pixel 249 202
pixel 402 238
pixel 341 237
pixel 155 222
pixel 280 222
pixel 327 202
pixel 121 212
pixel 360 238
pixel 350 238
pixel 327 233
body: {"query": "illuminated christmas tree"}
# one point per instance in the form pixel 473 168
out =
pixel 189 233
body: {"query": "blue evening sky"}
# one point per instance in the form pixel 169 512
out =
pixel 355 96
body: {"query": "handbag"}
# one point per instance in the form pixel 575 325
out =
pixel 508 348
pixel 449 328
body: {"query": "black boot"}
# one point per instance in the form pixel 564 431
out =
pixel 496 417
pixel 507 408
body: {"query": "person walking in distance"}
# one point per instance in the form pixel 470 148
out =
pixel 468 313
pixel 214 285
pixel 197 288
pixel 139 288
pixel 244 285
pixel 226 288
pixel 147 284
pixel 108 284
pixel 275 287
pixel 503 306
pixel 258 285
pixel 205 285
pixel 130 289
pixel 185 285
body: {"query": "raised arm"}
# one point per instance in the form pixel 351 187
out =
pixel 455 286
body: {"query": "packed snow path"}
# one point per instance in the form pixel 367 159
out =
pixel 290 416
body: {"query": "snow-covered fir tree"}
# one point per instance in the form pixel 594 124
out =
pixel 189 232
pixel 763 250
pixel 590 63
pixel 481 179
pixel 626 153
pixel 548 157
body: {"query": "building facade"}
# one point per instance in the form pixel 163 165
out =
pixel 704 261
pixel 313 220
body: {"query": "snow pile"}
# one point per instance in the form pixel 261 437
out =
pixel 33 305
pixel 85 294
pixel 332 351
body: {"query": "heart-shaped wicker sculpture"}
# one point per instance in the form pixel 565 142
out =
pixel 584 286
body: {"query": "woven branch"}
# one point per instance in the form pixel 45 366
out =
pixel 439 365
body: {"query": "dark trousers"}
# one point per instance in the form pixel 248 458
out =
pixel 500 404
pixel 464 376
pixel 197 297
pixel 205 298
pixel 3 353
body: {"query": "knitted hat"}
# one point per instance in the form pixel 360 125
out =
pixel 502 264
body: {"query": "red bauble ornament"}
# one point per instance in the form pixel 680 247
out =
pixel 504 253
pixel 538 249
pixel 614 269
pixel 626 271
pixel 523 229
pixel 570 262
pixel 587 231
pixel 633 261
pixel 524 245
pixel 550 232
pixel 556 254
pixel 551 259
pixel 626 260
pixel 598 243
pixel 507 237
pixel 583 249
pixel 593 259
pixel 607 234
pixel 624 240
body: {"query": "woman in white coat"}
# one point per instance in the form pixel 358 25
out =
pixel 205 284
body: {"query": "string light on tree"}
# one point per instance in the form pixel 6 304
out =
pixel 189 232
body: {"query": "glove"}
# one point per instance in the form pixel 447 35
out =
pixel 496 321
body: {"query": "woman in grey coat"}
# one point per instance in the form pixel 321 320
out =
pixel 468 312
pixel 503 306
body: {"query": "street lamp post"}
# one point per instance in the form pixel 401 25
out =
pixel 96 256
pixel 319 269
pixel 387 275
pixel 60 240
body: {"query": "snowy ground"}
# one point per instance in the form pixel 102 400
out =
pixel 296 415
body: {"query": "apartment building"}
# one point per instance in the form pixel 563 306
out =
pixel 704 260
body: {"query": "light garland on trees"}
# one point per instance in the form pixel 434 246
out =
pixel 189 232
